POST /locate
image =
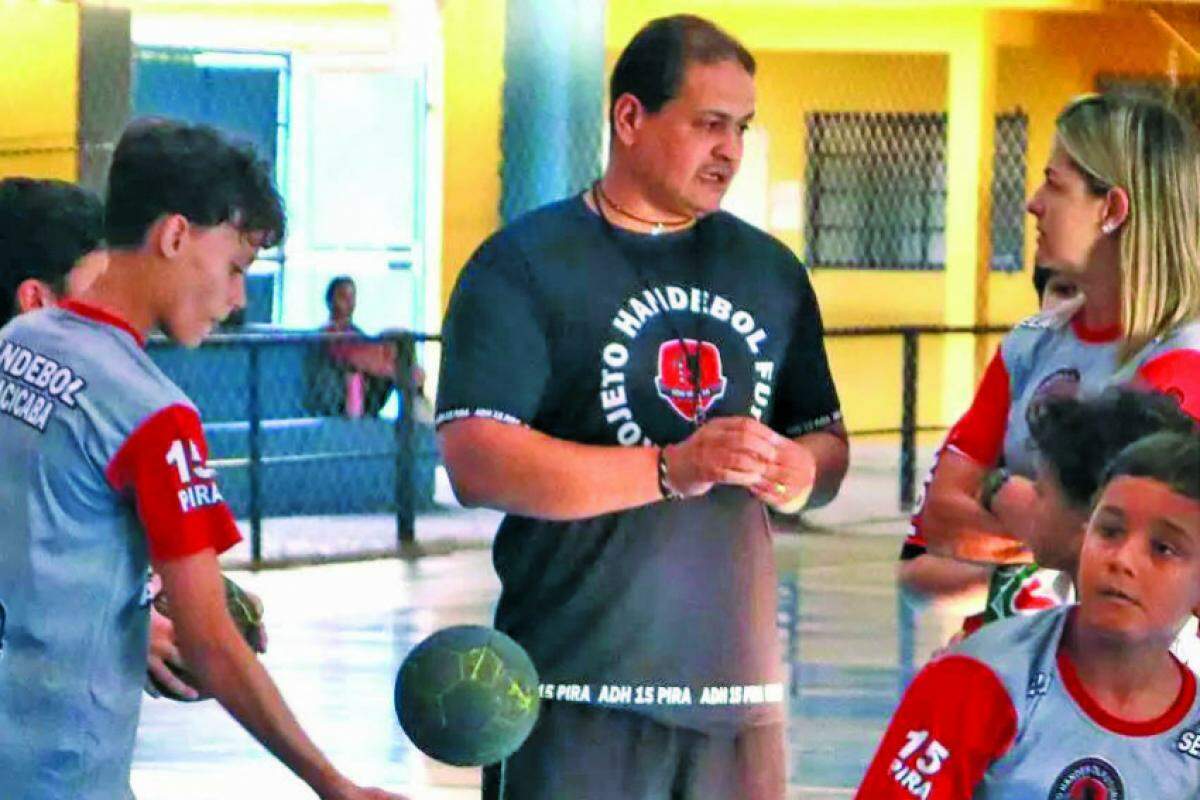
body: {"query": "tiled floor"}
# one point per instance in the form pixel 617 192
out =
pixel 339 632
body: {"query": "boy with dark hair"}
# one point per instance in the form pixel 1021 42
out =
pixel 1053 288
pixel 51 237
pixel 51 243
pixel 103 470
pixel 1075 439
pixel 213 180
pixel 1081 700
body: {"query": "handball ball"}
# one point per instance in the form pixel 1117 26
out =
pixel 246 612
pixel 467 696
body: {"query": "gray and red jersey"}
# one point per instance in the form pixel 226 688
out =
pixel 1004 716
pixel 102 466
pixel 1054 355
pixel 1049 356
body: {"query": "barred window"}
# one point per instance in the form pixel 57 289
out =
pixel 1008 192
pixel 877 191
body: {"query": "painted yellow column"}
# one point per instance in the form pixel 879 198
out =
pixel 473 33
pixel 971 105
pixel 39 48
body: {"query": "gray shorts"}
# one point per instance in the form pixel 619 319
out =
pixel 579 751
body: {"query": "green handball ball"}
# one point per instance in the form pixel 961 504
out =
pixel 467 696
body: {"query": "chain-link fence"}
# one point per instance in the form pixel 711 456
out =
pixel 318 459
pixel 909 423
pixel 859 169
pixel 875 129
pixel 314 425
pixel 876 190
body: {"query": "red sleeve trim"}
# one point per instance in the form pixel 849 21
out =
pixel 1123 727
pixel 955 720
pixel 164 465
pixel 1177 375
pixel 979 435
pixel 97 314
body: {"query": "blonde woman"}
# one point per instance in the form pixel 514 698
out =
pixel 1118 213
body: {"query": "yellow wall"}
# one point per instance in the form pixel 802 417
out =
pixel 474 80
pixel 812 55
pixel 816 55
pixel 789 86
pixel 366 27
pixel 38 96
pixel 1042 76
pixel 792 84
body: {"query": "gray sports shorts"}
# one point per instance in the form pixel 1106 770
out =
pixel 578 751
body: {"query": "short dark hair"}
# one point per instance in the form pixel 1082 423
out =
pixel 1041 277
pixel 1078 438
pixel 163 166
pixel 652 65
pixel 1169 457
pixel 332 288
pixel 46 226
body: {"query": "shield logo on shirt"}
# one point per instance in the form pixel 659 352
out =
pixel 1062 383
pixel 689 394
pixel 1088 779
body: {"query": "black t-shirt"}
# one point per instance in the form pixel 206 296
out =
pixel 591 334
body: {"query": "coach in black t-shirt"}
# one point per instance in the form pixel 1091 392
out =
pixel 631 374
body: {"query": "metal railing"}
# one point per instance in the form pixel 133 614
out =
pixel 253 387
pixel 272 386
pixel 910 336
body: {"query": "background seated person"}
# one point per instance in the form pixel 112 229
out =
pixel 354 377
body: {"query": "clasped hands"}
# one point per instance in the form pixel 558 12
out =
pixel 741 451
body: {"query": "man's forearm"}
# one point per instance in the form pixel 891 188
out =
pixel 522 471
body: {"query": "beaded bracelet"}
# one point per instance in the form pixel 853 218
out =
pixel 664 483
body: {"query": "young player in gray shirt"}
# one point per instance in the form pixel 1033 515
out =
pixel 103 470
pixel 1080 701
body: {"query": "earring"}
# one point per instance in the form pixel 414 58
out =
pixel 1107 228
